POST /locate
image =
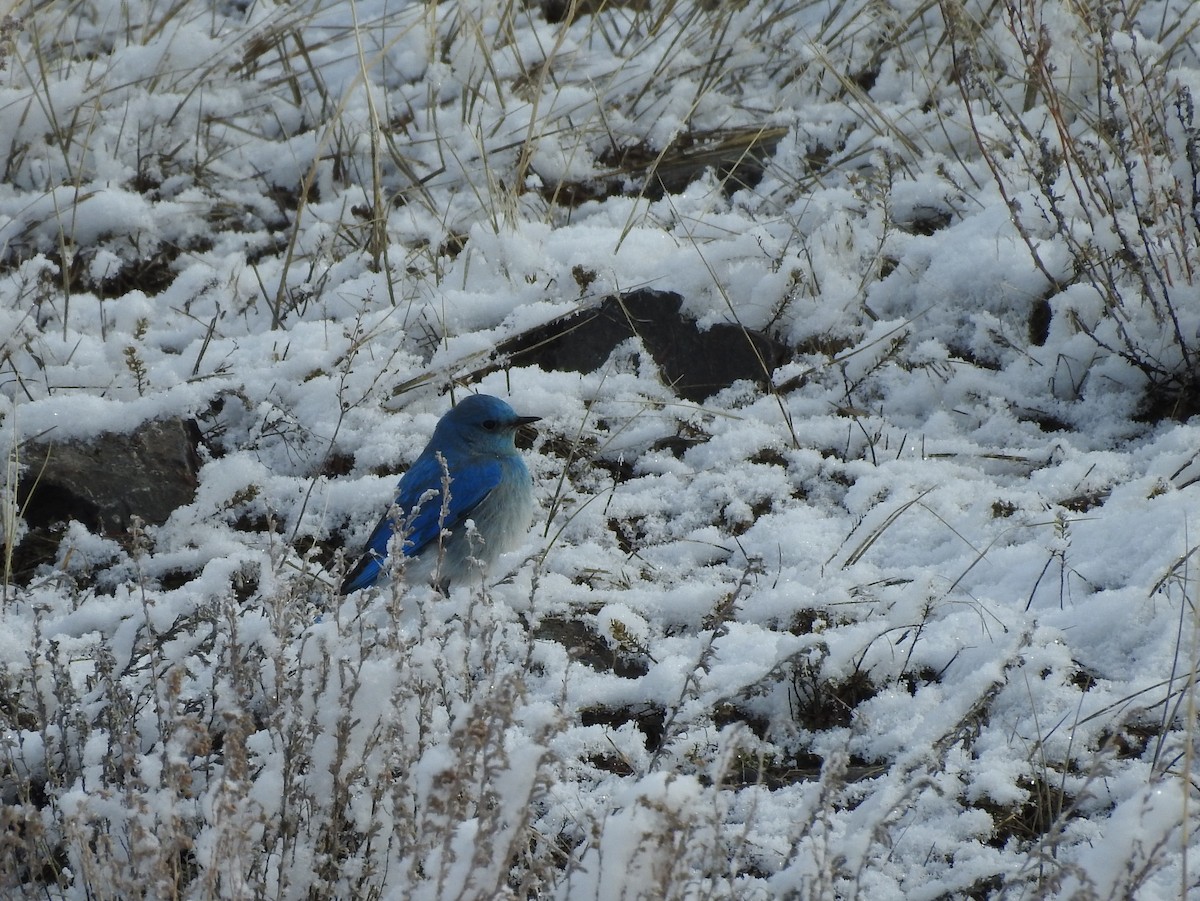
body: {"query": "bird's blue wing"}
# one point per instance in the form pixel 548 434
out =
pixel 421 490
pixel 469 485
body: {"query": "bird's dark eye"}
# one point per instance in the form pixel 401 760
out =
pixel 489 425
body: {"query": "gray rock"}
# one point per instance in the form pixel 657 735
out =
pixel 106 482
pixel 696 364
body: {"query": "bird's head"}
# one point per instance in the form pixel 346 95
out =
pixel 482 424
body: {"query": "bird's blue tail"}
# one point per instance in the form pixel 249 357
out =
pixel 365 573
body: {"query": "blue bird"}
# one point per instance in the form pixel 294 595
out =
pixel 473 450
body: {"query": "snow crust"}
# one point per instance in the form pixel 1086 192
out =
pixel 917 622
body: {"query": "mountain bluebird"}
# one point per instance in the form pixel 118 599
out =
pixel 472 453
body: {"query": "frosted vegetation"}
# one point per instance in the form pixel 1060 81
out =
pixel 911 618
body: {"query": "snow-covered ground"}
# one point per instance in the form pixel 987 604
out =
pixel 917 622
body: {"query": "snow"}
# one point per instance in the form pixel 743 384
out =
pixel 917 622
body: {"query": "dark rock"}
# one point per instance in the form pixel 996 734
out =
pixel 106 482
pixel 738 157
pixel 925 220
pixel 697 364
pixel 588 648
pixel 556 11
pixel 650 720
pixel 1040 315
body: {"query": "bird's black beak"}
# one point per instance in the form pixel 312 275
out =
pixel 523 431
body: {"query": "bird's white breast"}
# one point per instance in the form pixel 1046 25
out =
pixel 503 518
